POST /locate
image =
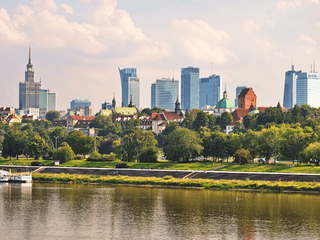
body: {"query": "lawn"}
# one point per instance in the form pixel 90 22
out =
pixel 164 164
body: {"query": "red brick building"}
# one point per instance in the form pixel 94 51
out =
pixel 247 98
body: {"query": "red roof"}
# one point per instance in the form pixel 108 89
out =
pixel 159 116
pixel 82 118
pixel 172 116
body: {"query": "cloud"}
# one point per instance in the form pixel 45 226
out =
pixel 250 25
pixel 307 39
pixel 200 41
pixel 312 1
pixel 270 23
pixel 285 5
pixel 67 8
pixel 86 1
pixel 40 5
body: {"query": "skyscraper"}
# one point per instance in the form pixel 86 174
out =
pixel 52 100
pixel 301 88
pixel 308 88
pixel 79 103
pixel 164 93
pixel 238 91
pixel 130 85
pixel 29 90
pixel 290 88
pixel 189 88
pixel 210 90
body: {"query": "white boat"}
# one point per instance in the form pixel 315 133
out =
pixel 4 177
pixel 20 177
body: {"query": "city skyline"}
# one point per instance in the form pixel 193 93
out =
pixel 77 45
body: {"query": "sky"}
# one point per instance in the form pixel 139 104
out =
pixel 77 45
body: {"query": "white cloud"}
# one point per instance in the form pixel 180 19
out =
pixel 312 1
pixel 317 24
pixel 306 39
pixel 250 25
pixel 86 1
pixel 67 8
pixel 270 23
pixel 200 41
pixel 285 5
pixel 308 49
pixel 48 5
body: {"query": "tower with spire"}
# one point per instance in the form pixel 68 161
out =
pixel 29 90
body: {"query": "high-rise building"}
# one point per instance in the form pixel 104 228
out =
pixel 290 88
pixel 238 91
pixel 43 104
pixel 210 90
pixel 52 101
pixel 301 88
pixel 130 85
pixel 189 88
pixel 80 103
pixel 164 93
pixel 153 95
pixel 29 90
pixel 308 87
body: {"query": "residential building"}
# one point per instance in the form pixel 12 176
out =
pixel 164 93
pixel 145 121
pixel 79 103
pixel 189 88
pixel 130 86
pixel 160 120
pixel 72 121
pixel 238 91
pixel 6 111
pixel 210 90
pixel 29 90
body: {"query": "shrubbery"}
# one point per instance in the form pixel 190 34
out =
pixel 100 159
pixel 121 165
pixel 149 154
pixel 242 156
pixel 64 153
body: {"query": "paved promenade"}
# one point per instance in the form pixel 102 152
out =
pixel 194 174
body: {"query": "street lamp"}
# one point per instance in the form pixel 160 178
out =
pixel 56 137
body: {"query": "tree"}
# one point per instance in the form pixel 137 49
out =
pixel 182 144
pixel 312 151
pixel 64 153
pixel 149 154
pixel 38 147
pixel 233 143
pixel 131 125
pixel 80 143
pixel 239 127
pixel 101 122
pixel 162 137
pixel 250 141
pixel 205 136
pixel 202 120
pixel 224 120
pixel 61 133
pixel 270 142
pixel 242 156
pixel 52 115
pixel 219 145
pixel 14 143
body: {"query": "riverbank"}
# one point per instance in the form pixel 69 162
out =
pixel 279 186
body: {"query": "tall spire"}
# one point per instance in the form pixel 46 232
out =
pixel 29 54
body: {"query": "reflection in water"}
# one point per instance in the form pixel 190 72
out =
pixel 62 211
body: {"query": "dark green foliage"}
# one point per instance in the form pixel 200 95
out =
pixel 64 153
pixel 121 165
pixel 100 159
pixel 242 156
pixel 52 115
pixel 149 154
pixel 80 143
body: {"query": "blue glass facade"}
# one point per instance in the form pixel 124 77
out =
pixel 125 75
pixel 153 95
pixel 189 88
pixel 164 93
pixel 238 91
pixel 134 91
pixel 308 87
pixel 210 90
pixel 290 88
pixel 80 103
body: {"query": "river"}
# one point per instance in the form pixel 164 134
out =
pixel 76 211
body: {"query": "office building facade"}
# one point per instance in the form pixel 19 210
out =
pixel 164 93
pixel 130 86
pixel 308 88
pixel 210 90
pixel 189 88
pixel 79 103
pixel 290 88
pixel 29 90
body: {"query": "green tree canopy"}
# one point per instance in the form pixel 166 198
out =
pixel 64 153
pixel 52 115
pixel 80 143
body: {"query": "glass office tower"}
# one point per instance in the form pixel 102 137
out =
pixel 210 90
pixel 164 93
pixel 290 88
pixel 130 86
pixel 189 88
pixel 308 87
pixel 80 103
pixel 52 101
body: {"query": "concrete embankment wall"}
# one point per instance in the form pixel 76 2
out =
pixel 299 177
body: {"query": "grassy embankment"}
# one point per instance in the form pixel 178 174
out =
pixel 164 164
pixel 170 181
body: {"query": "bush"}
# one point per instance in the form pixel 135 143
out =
pixel 36 163
pixel 78 157
pixel 64 153
pixel 94 155
pixel 101 159
pixel 242 156
pixel 121 165
pixel 149 154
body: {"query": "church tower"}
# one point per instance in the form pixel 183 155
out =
pixel 29 90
